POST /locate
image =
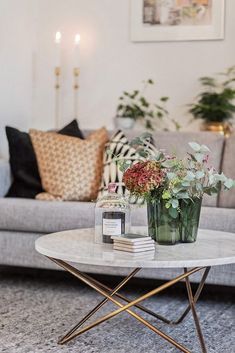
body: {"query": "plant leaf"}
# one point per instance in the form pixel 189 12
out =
pixel 173 212
pixel 195 146
pixel 175 203
pixel 204 148
pixel 200 174
pixel 229 183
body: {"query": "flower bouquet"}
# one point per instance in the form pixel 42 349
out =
pixel 173 188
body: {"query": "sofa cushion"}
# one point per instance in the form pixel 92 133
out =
pixel 28 215
pixel 218 218
pixel 70 168
pixel 227 199
pixel 26 179
pixel 44 216
pixel 47 217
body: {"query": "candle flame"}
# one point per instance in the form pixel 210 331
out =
pixel 58 37
pixel 77 39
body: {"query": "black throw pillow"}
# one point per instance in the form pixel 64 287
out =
pixel 26 179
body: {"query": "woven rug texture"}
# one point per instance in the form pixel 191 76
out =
pixel 37 307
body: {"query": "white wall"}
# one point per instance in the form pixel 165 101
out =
pixel 110 63
pixel 16 42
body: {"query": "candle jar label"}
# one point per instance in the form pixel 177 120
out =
pixel 113 224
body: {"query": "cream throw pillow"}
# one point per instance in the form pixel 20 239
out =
pixel 70 168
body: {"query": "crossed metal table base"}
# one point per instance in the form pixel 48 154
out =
pixel 112 295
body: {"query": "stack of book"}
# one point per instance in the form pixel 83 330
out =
pixel 133 243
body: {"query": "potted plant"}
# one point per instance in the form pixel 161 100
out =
pixel 173 188
pixel 134 106
pixel 215 104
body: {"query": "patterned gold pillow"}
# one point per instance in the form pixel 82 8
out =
pixel 70 168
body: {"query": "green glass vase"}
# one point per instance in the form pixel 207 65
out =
pixel 166 230
pixel 189 219
pixel 161 226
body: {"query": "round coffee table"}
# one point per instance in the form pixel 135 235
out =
pixel 212 248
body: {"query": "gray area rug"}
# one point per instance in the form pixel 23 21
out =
pixel 38 307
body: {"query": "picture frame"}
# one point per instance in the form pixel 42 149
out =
pixel 177 20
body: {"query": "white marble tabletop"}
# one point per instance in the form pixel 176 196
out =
pixel 78 246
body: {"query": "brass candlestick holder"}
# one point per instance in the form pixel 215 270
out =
pixel 57 96
pixel 76 73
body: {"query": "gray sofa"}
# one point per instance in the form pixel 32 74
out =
pixel 22 221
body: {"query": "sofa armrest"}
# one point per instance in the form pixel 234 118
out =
pixel 5 177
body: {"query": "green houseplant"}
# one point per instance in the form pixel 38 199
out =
pixel 134 106
pixel 173 188
pixel 215 104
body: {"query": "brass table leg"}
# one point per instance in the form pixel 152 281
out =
pixel 121 296
pixel 152 313
pixel 97 307
pixel 109 296
pixel 195 298
pixel 195 317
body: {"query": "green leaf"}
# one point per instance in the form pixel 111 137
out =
pixel 123 164
pixel 192 158
pixel 212 179
pixel 145 136
pixel 150 114
pixel 199 157
pixel 166 195
pixel 175 203
pixel 183 195
pixel 185 183
pixel 142 153
pixel 136 141
pixel 119 107
pixel 171 175
pixel 199 174
pixel 176 190
pixel 199 187
pixel 204 148
pixel 134 94
pixel 189 177
pixel 229 183
pixel 208 81
pixel 177 125
pixel 164 99
pixel 173 212
pixel 195 146
pixel 220 177
pixel 144 102
pixel 148 125
pixel 211 191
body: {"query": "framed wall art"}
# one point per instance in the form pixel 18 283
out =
pixel 175 20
